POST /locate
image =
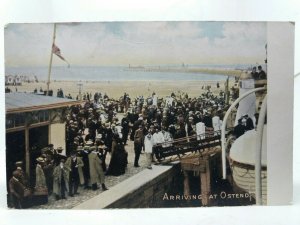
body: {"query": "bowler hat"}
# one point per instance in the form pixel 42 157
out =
pixel 59 149
pixel 73 153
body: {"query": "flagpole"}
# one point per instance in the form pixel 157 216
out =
pixel 266 61
pixel 50 63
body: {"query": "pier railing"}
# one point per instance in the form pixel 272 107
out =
pixel 184 145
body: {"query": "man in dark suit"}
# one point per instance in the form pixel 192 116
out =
pixel 74 164
pixel 125 128
pixel 261 74
pixel 138 144
pixel 239 129
pixel 254 74
pixel 84 154
pixel 249 123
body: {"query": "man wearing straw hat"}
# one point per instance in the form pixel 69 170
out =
pixel 23 177
pixel 60 180
pixel 75 165
pixel 20 194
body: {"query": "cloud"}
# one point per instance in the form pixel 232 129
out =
pixel 123 43
pixel 242 40
pixel 26 43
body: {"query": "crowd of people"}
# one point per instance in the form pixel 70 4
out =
pixel 160 120
pixel 59 93
pixel 57 174
pixel 102 126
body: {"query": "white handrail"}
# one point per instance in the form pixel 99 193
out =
pixel 225 122
pixel 259 139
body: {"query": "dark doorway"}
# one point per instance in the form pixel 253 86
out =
pixel 38 139
pixel 15 151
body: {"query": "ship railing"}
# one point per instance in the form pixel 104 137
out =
pixel 258 153
pixel 258 141
pixel 223 128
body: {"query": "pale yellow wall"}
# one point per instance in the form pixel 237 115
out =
pixel 57 135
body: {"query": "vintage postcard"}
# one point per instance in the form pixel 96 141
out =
pixel 137 114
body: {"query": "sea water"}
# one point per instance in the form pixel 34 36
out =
pixel 117 73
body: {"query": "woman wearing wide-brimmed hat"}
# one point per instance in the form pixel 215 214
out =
pixel 40 190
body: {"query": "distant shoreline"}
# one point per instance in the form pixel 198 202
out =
pixel 105 81
pixel 109 74
pixel 208 71
pixel 116 89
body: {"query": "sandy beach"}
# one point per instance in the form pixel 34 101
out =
pixel 115 89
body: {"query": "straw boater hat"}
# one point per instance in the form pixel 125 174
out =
pixel 19 163
pixel 86 148
pixel 89 142
pixel 99 136
pixel 79 148
pixel 40 160
pixel 93 148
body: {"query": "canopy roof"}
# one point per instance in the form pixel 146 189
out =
pixel 18 102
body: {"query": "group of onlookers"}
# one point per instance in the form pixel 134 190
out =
pixel 94 129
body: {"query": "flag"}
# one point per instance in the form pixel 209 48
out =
pixel 56 51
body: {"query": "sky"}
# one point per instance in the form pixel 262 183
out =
pixel 136 43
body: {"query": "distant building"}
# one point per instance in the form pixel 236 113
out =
pixel 9 80
pixel 18 80
pixel 15 80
